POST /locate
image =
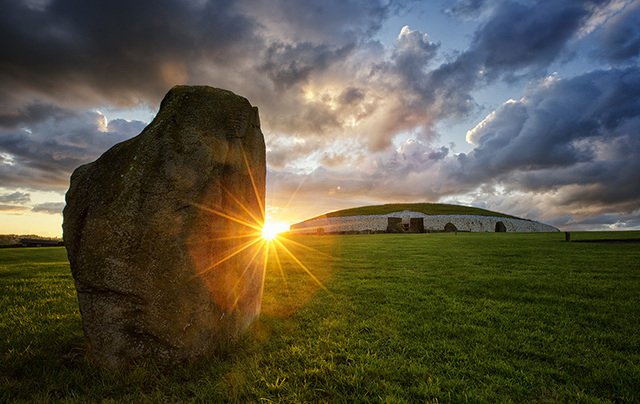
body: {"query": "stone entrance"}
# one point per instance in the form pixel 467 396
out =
pixel 450 228
pixel 416 225
pixel 394 225
pixel 405 224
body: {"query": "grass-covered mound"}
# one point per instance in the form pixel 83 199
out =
pixel 426 208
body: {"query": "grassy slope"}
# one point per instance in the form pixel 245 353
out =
pixel 426 208
pixel 415 318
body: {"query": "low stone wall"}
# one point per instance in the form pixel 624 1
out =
pixel 484 224
pixel 344 224
pixel 432 223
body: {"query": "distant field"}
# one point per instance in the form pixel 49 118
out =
pixel 479 317
pixel 426 208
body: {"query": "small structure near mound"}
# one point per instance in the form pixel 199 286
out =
pixel 148 234
pixel 417 222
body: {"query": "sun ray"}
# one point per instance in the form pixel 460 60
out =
pixel 231 255
pixel 253 183
pixel 235 237
pixel 303 266
pixel 266 246
pixel 264 239
pixel 279 264
pixel 244 271
pixel 283 238
pixel 246 268
pixel 295 193
pixel 244 208
pixel 235 219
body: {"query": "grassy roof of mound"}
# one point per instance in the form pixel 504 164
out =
pixel 426 208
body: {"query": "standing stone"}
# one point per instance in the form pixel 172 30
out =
pixel 162 232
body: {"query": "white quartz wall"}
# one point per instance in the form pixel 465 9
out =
pixel 484 223
pixel 341 224
pixel 378 223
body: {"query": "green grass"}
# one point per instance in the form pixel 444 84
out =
pixel 407 318
pixel 426 208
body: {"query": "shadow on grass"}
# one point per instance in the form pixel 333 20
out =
pixel 610 241
pixel 53 367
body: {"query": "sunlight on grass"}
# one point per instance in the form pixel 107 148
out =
pixel 475 317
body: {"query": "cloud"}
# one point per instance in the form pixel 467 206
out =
pixel 606 221
pixel 413 52
pixel 321 21
pixel 573 137
pixel 12 209
pixel 44 148
pixel 514 41
pixel 560 152
pixel 471 9
pixel 401 174
pixel 96 51
pixel 287 65
pixel 310 52
pixel 15 197
pixel 338 107
pixel 52 208
pixel 351 95
pixel 72 55
pixel 62 62
pixel 620 38
pixel 526 36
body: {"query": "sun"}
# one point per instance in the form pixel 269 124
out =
pixel 270 230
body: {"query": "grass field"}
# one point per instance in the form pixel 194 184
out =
pixel 426 208
pixel 496 317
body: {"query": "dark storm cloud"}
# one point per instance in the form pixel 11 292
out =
pixel 119 50
pixel 579 131
pixel 526 36
pixel 124 52
pixel 620 39
pixel 322 21
pixel 517 39
pixel 32 113
pixel 287 65
pixel 468 8
pixel 62 56
pixel 15 197
pixel 44 151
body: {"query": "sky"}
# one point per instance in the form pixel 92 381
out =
pixel 526 107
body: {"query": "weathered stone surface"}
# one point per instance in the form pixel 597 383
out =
pixel 149 236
